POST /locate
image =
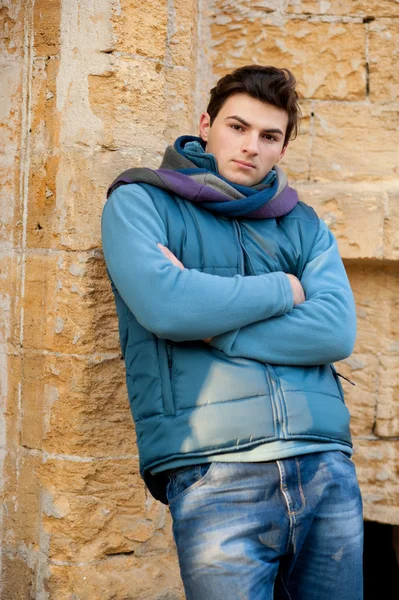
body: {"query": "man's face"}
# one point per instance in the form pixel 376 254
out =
pixel 246 138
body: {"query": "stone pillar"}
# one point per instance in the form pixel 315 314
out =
pixel 345 164
pixel 91 87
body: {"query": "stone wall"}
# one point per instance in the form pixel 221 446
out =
pixel 95 86
pixel 91 87
pixel 345 164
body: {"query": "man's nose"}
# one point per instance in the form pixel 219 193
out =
pixel 250 144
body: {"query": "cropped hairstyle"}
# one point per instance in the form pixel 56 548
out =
pixel 267 84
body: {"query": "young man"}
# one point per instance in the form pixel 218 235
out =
pixel 233 303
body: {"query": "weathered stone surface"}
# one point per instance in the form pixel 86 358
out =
pixel 376 291
pixel 98 508
pixel 71 307
pixel 374 8
pixel 11 64
pixel 361 399
pixel 24 515
pixel 360 215
pixel 130 102
pixel 182 43
pixel 86 37
pixel 119 578
pixel 296 162
pixel 387 423
pixel 46 24
pixel 10 272
pixel 19 578
pixel 42 230
pixel 391 240
pixel 142 32
pixel 178 88
pixel 383 60
pixel 326 58
pixel 377 468
pixel 76 406
pixel 355 142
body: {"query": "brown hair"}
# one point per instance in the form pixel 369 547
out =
pixel 268 84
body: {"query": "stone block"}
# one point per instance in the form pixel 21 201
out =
pixel 86 43
pixel 23 511
pixel 118 578
pixel 387 418
pixel 296 161
pixel 12 27
pixel 10 297
pixel 76 407
pixel 376 291
pixel 46 24
pixel 361 399
pixel 179 87
pixel 98 509
pixel 11 64
pixel 10 379
pixel 130 103
pixel 67 195
pixel 182 43
pixel 18 577
pixel 328 59
pixel 391 232
pixel 354 142
pixel 142 30
pixel 355 213
pixel 42 230
pixel 354 8
pixel 383 60
pixel 68 303
pixel 377 465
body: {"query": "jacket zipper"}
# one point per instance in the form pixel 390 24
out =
pixel 272 383
pixel 241 266
pixel 250 269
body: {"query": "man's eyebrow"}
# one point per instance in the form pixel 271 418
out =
pixel 241 120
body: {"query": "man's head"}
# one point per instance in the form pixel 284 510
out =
pixel 252 114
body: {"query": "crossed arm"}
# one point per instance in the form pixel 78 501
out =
pixel 178 304
pixel 264 317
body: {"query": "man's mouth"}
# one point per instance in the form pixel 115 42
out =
pixel 244 164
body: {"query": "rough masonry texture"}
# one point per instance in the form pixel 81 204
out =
pixel 89 88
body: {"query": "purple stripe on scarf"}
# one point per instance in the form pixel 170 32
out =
pixel 188 188
pixel 278 207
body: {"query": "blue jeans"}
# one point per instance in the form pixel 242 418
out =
pixel 290 529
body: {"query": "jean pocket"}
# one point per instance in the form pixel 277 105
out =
pixel 184 480
pixel 346 457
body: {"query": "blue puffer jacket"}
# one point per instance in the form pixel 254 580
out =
pixel 267 374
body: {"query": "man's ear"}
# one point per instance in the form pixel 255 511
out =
pixel 204 125
pixel 283 152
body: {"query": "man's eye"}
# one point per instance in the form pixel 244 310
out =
pixel 269 138
pixel 236 127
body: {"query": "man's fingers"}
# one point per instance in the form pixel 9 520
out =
pixel 170 256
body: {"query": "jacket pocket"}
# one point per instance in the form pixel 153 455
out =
pixel 165 365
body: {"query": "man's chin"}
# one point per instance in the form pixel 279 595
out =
pixel 242 180
pixel 239 178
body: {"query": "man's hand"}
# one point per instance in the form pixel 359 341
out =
pixel 297 289
pixel 171 256
pixel 179 264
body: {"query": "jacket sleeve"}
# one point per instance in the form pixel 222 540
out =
pixel 321 330
pixel 176 304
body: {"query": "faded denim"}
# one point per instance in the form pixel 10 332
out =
pixel 290 529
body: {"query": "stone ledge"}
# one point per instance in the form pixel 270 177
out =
pixel 363 217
